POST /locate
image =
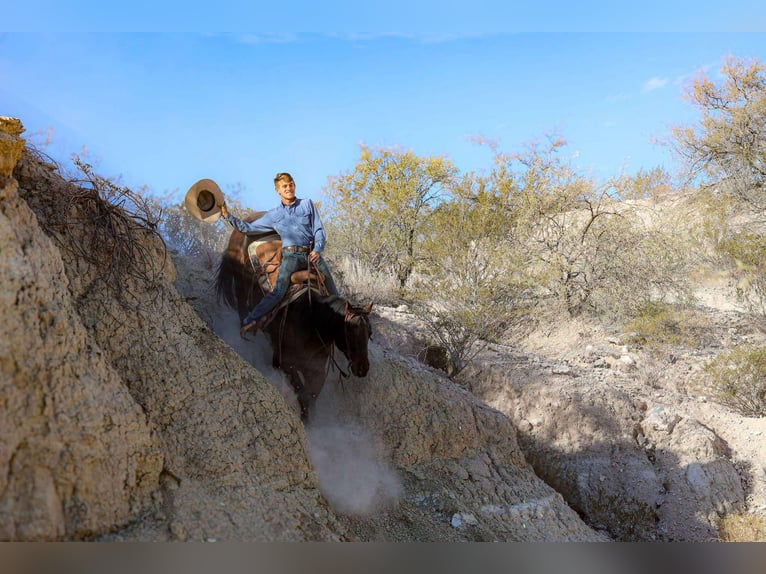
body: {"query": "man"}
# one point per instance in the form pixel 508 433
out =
pixel 303 239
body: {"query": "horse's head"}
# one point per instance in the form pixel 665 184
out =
pixel 357 333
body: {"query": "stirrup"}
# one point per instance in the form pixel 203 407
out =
pixel 253 326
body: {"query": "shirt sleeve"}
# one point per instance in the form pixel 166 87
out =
pixel 261 225
pixel 317 229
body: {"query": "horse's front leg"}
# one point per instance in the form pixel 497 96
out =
pixel 298 383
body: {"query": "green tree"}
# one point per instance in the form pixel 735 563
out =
pixel 586 247
pixel 727 147
pixel 471 287
pixel 726 152
pixel 381 209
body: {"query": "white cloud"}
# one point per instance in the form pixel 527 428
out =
pixel 421 37
pixel 686 78
pixel 654 83
pixel 276 38
pixel 615 98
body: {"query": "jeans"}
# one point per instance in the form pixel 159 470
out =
pixel 292 261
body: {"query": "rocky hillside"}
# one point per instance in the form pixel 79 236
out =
pixel 129 413
pixel 630 436
pixel 132 411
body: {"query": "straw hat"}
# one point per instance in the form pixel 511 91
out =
pixel 204 200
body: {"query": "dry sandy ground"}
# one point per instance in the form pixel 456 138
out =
pixel 586 358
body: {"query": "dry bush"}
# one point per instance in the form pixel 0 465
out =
pixel 469 293
pixel 738 379
pixel 659 326
pixel 726 147
pixel 380 209
pixel 111 228
pixel 360 283
pixel 742 528
pixel 651 369
pixel 747 251
pixel 186 235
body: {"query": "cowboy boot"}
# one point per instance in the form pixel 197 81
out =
pixel 254 326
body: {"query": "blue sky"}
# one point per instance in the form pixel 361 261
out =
pixel 166 108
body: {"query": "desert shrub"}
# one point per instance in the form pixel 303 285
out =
pixel 742 528
pixel 726 147
pixel 188 236
pixel 747 252
pixel 380 210
pixel 661 326
pixel 471 289
pixel 359 282
pixel 462 326
pixel 589 250
pixel 107 226
pixel 738 379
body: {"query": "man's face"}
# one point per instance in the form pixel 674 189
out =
pixel 286 190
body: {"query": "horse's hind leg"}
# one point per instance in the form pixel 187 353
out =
pixel 313 381
pixel 304 396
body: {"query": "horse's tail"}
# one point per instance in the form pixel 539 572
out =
pixel 229 277
pixel 235 282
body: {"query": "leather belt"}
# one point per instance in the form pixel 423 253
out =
pixel 306 249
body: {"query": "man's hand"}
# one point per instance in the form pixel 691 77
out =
pixel 224 210
pixel 313 257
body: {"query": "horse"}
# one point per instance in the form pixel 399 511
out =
pixel 306 327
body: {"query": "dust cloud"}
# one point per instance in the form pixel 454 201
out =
pixel 353 473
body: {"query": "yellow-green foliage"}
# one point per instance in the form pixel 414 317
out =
pixel 591 252
pixel 381 209
pixel 742 528
pixel 474 253
pixel 727 146
pixel 659 325
pixel 189 236
pixel 747 253
pixel 738 379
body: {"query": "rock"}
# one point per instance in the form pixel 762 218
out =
pixel 77 456
pixel 561 369
pixel 641 471
pixel 661 419
pixel 461 520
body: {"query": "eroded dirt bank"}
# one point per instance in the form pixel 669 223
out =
pixel 129 416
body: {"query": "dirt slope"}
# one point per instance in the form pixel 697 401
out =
pixel 629 436
pixel 128 415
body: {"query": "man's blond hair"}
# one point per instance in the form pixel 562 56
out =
pixel 283 175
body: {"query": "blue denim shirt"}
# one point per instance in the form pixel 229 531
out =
pixel 297 224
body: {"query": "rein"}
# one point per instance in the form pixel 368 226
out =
pixel 341 373
pixel 283 320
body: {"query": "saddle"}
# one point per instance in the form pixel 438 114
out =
pixel 266 256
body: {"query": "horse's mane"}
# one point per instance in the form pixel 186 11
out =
pixel 336 303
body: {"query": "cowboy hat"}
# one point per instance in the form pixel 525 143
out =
pixel 204 200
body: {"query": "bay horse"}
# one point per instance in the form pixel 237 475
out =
pixel 304 331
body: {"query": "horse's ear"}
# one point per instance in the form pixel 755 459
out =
pixel 367 308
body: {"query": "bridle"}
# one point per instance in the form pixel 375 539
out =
pixel 349 316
